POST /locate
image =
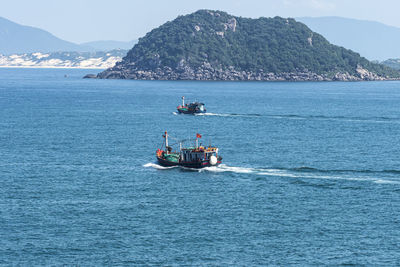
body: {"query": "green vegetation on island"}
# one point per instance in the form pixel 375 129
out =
pixel 213 45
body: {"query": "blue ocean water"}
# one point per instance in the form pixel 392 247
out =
pixel 310 173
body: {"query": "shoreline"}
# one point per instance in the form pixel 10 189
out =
pixel 210 74
pixel 188 80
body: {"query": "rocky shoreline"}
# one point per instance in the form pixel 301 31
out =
pixel 208 73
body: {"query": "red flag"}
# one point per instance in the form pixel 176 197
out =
pixel 198 135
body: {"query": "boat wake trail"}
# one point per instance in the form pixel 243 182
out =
pixel 157 166
pixel 307 173
pixel 305 117
pixel 337 118
pixel 227 115
pixel 300 173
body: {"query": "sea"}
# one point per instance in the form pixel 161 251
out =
pixel 310 173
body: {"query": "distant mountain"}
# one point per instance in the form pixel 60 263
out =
pixel 98 60
pixel 110 45
pixel 213 45
pixel 16 38
pixel 393 63
pixel 373 40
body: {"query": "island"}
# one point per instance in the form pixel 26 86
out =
pixel 213 45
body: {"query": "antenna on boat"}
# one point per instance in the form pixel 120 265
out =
pixel 183 101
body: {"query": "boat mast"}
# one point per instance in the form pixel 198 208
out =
pixel 183 101
pixel 197 140
pixel 166 141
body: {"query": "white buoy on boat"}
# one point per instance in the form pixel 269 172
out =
pixel 213 160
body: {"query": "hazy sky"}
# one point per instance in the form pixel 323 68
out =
pixel 89 20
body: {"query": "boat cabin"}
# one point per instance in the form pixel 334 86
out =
pixel 196 107
pixel 198 154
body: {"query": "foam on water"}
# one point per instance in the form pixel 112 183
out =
pixel 157 166
pixel 227 114
pixel 382 181
pixel 225 168
pixel 294 174
pixel 336 118
pixel 305 117
pixel 289 173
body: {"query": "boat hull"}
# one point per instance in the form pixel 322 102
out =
pixel 166 163
pixel 185 111
pixel 195 165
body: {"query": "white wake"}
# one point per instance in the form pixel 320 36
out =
pixel 157 166
pixel 275 173
pixel 291 174
pixel 227 114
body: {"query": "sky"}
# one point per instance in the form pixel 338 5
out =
pixel 124 20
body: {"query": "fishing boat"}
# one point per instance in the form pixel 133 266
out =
pixel 191 108
pixel 197 156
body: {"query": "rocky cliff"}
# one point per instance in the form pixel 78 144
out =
pixel 213 45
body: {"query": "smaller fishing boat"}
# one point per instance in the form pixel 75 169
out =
pixel 190 157
pixel 191 108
